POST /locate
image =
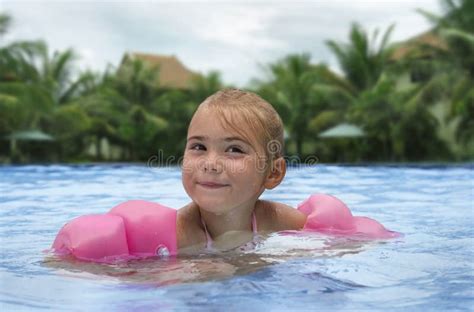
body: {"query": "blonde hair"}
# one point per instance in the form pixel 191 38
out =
pixel 242 110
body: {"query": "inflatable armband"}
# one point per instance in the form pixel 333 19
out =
pixel 327 214
pixel 133 229
pixel 137 229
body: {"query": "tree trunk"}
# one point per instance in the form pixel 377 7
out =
pixel 299 146
pixel 98 148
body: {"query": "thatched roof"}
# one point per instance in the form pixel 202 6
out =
pixel 414 46
pixel 172 73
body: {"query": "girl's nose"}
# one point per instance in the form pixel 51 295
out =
pixel 213 163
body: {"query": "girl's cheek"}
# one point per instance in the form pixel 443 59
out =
pixel 188 165
pixel 249 164
pixel 239 166
pixel 228 165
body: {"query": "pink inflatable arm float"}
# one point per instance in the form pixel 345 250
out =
pixel 327 214
pixel 138 229
pixel 133 229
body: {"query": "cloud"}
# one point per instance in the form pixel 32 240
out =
pixel 228 36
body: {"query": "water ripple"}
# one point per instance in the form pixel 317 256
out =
pixel 430 268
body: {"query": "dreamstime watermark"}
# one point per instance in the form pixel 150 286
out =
pixel 218 163
pixel 274 147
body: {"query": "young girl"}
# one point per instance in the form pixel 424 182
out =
pixel 234 151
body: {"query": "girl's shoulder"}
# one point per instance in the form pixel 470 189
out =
pixel 273 216
pixel 188 231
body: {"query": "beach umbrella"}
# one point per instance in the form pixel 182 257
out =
pixel 343 130
pixel 30 135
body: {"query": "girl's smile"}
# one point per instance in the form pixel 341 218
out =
pixel 211 185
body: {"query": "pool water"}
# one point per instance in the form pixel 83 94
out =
pixel 429 268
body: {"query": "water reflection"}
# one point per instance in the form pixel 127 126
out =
pixel 270 249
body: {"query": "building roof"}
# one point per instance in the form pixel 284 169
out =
pixel 413 45
pixel 172 73
pixel 343 130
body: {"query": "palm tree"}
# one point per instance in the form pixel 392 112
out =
pixel 203 86
pixel 397 121
pixel 33 84
pixel 5 21
pixel 121 107
pixel 30 62
pixel 290 88
pixel 456 28
pixel 177 107
pixel 361 60
pixel 23 102
pixel 335 95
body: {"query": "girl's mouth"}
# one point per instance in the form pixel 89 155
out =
pixel 211 185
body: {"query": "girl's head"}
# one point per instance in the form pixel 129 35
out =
pixel 234 150
pixel 249 115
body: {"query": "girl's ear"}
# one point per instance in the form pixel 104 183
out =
pixel 276 174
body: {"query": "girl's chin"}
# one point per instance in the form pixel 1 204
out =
pixel 212 206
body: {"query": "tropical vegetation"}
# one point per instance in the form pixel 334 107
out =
pixel 412 106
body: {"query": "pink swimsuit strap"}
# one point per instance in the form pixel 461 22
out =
pixel 209 238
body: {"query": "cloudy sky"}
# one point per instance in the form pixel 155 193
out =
pixel 233 37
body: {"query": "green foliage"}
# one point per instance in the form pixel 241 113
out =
pixel 140 117
pixel 456 28
pixel 397 123
pixel 362 61
pixel 68 123
pixel 298 90
pixel 5 21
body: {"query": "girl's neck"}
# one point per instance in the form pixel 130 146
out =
pixel 239 219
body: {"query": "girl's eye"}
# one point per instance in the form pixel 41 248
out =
pixel 198 147
pixel 235 149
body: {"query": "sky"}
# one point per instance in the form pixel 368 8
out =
pixel 236 38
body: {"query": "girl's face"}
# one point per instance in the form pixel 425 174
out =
pixel 221 169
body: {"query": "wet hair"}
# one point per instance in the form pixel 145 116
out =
pixel 250 116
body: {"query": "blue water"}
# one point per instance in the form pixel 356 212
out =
pixel 430 268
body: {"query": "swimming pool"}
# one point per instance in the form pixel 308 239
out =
pixel 430 268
